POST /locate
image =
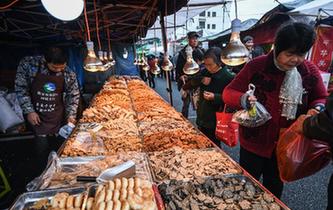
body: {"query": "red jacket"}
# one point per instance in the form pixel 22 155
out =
pixel 268 79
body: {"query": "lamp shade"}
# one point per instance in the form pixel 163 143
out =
pixel 235 53
pixel 111 60
pixel 155 69
pixel 167 64
pixel 190 67
pixel 145 65
pixel 91 62
pixel 65 10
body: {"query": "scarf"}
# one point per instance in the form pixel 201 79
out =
pixel 291 92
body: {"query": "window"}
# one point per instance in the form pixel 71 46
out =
pixel 213 14
pixel 213 26
pixel 202 24
pixel 208 14
pixel 208 26
pixel 202 14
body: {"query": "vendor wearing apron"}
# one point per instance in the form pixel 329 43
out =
pixel 47 91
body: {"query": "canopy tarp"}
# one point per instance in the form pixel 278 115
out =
pixel 313 8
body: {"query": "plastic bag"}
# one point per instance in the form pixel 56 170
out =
pixel 8 117
pixel 14 103
pixel 256 116
pixel 299 157
pixel 44 179
pixel 226 130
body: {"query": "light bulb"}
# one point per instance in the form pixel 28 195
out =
pixel 65 10
pixel 235 53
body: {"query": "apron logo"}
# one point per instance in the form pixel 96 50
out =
pixel 49 87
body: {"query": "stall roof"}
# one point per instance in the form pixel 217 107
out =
pixel 314 8
pixel 28 22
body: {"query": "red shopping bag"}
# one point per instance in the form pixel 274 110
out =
pixel 298 156
pixel 226 130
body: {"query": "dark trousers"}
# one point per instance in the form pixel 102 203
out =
pixel 186 105
pixel 257 166
pixel 330 194
pixel 210 133
pixel 151 80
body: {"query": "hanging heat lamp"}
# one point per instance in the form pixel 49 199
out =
pixel 107 63
pixel 235 53
pixel 111 60
pixel 167 64
pixel 105 56
pixel 91 62
pixel 145 65
pixel 191 67
pixel 100 55
pixel 155 69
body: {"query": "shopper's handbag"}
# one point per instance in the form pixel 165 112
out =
pixel 226 130
pixel 298 156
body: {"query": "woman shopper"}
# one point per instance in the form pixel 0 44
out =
pixel 287 85
pixel 211 80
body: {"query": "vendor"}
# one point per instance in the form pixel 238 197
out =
pixel 47 91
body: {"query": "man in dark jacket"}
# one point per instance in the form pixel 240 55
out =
pixel 320 127
pixel 181 78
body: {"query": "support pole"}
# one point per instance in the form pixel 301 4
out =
pixel 165 46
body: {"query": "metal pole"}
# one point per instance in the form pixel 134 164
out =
pixel 165 45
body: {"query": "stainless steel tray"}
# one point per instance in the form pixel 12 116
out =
pixel 241 178
pixel 26 200
pixel 235 165
pixel 72 164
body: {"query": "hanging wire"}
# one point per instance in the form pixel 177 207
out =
pixel 97 26
pixel 108 36
pixel 9 5
pixel 86 20
pixel 166 26
pixel 174 27
pixel 155 40
pixel 236 9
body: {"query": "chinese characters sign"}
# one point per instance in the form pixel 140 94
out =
pixel 322 53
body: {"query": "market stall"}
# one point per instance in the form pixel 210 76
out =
pixel 176 166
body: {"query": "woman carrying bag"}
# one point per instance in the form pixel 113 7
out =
pixel 212 81
pixel 286 85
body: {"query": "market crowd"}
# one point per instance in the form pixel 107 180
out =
pixel 286 85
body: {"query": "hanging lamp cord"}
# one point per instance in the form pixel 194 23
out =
pixel 236 9
pixel 86 20
pixel 97 26
pixel 9 5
